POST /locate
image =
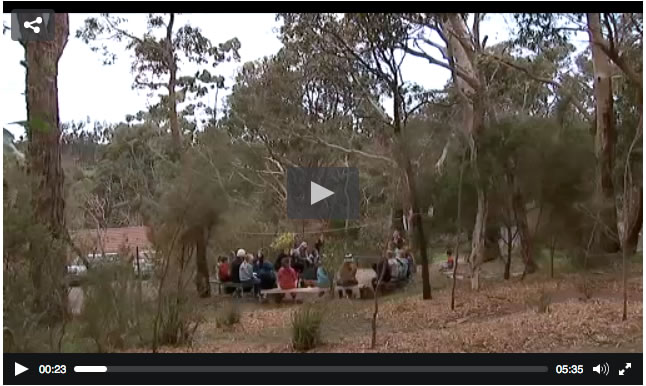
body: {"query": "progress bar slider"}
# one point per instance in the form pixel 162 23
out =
pixel 90 369
pixel 311 369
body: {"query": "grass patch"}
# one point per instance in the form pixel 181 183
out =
pixel 306 327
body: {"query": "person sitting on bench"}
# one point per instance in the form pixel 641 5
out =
pixel 347 275
pixel 235 265
pixel 234 271
pixel 265 271
pixel 287 277
pixel 449 260
pixel 224 273
pixel 247 276
pixel 322 279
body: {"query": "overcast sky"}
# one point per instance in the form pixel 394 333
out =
pixel 87 88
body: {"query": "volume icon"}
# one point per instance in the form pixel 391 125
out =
pixel 602 368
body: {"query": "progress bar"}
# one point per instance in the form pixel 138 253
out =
pixel 312 369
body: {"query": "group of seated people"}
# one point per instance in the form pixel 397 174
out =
pixel 299 265
pixel 302 267
pixel 397 263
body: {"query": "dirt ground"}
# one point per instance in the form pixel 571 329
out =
pixel 503 316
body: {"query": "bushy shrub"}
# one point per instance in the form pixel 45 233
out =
pixel 306 327
pixel 228 315
pixel 178 321
pixel 115 314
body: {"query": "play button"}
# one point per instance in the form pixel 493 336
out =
pixel 318 193
pixel 323 193
pixel 19 369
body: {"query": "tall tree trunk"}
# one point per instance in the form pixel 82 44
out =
pixel 462 48
pixel 202 277
pixel 172 85
pixel 417 222
pixel 510 245
pixel 604 138
pixel 520 217
pixel 44 152
pixel 478 238
pixel 492 240
pixel 458 231
pixel 633 218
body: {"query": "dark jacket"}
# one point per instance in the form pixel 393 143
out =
pixel 380 267
pixel 235 270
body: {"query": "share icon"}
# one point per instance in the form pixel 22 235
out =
pixel 30 24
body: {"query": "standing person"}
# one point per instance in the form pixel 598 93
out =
pixel 398 241
pixel 318 245
pixel 247 275
pixel 279 260
pixel 299 257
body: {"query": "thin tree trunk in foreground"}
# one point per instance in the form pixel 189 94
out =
pixel 604 138
pixel 457 236
pixel 373 342
pixel 202 277
pixel 44 155
pixel 552 246
pixel 628 201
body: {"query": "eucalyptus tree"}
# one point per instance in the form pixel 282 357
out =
pixel 44 157
pixel 372 44
pixel 159 55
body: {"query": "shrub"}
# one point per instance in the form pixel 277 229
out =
pixel 114 313
pixel 228 315
pixel 178 320
pixel 306 328
pixel 543 302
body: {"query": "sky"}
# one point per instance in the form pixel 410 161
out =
pixel 87 88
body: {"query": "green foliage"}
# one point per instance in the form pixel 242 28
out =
pixel 284 241
pixel 178 320
pixel 115 315
pixel 306 327
pixel 34 306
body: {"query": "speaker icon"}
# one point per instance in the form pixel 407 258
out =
pixel 602 368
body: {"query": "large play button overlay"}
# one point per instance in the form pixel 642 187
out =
pixel 318 193
pixel 323 193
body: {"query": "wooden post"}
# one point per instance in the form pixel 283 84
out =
pixel 137 258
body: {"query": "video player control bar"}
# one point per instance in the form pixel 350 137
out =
pixel 313 369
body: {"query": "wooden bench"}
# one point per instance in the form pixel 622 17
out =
pixel 238 287
pixel 355 290
pixel 280 293
pixel 216 283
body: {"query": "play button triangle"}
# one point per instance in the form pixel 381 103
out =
pixel 19 369
pixel 318 193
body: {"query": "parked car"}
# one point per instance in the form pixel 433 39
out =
pixel 75 272
pixel 144 269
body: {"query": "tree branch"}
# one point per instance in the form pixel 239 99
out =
pixel 349 151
